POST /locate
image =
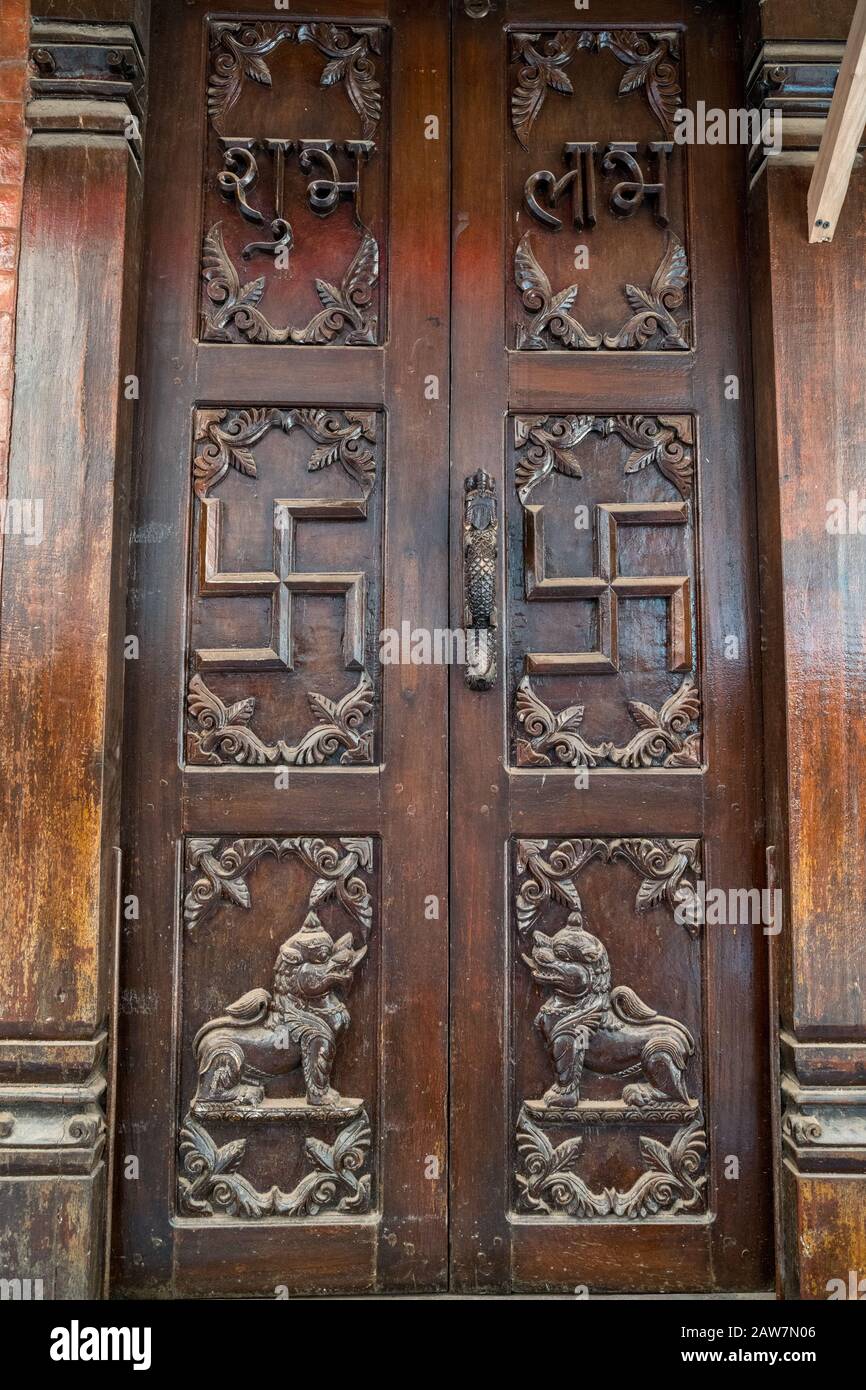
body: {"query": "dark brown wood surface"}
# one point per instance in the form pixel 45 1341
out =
pixel 810 476
pixel 239 632
pixel 390 794
pixel 507 1233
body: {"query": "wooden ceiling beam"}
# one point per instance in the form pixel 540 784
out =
pixel 841 136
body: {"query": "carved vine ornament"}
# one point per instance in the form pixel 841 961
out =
pixel 592 1028
pixel 295 1026
pixel 651 60
pixel 653 322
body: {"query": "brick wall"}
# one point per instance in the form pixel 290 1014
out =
pixel 14 30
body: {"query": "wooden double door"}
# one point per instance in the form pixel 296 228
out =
pixel 442 707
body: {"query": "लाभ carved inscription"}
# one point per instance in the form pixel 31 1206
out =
pixel 600 186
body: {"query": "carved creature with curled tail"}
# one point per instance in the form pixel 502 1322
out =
pixel 611 1032
pixel 480 548
pixel 268 1034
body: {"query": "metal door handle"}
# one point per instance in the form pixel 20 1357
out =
pixel 480 548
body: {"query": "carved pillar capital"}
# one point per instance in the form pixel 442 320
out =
pixel 89 78
pixel 792 82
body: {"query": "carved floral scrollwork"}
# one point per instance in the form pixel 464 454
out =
pixel 345 312
pixel 211 1185
pixel 667 737
pixel 239 50
pixel 224 730
pixel 668 868
pixel 672 1181
pixel 220 869
pixel 225 438
pixel 653 323
pixel 651 60
pixel 547 444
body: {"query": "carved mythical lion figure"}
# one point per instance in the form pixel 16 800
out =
pixel 585 1023
pixel 263 1035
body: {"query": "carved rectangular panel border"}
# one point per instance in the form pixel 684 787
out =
pixel 602 537
pixel 608 1093
pixel 285 587
pixel 295 183
pixel 278 1066
pixel 597 191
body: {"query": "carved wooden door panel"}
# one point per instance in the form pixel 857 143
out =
pixel 322 189
pixel 607 1045
pixel 283 1042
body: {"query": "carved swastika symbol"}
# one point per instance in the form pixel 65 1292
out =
pixel 607 587
pixel 281 584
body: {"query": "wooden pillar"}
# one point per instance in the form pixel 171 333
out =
pixel 809 343
pixel 61 646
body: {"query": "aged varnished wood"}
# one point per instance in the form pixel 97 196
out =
pixel 618 761
pixel 815 815
pixel 286 793
pixel 272 761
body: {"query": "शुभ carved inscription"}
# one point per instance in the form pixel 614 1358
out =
pixel 221 731
pixel 592 1028
pixel 334 161
pixel 268 1036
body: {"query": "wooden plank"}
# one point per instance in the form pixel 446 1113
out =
pixel 842 134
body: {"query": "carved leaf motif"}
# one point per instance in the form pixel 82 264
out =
pixel 238 51
pixel 549 444
pixel 551 311
pixel 664 734
pixel 551 879
pixel 675 1183
pixel 660 441
pixel 350 62
pixel 341 438
pixel 210 1184
pixel 654 308
pixel 549 1182
pixel 552 735
pixel 346 307
pixel 655 69
pixel 540 69
pixel 227 439
pixel 664 866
